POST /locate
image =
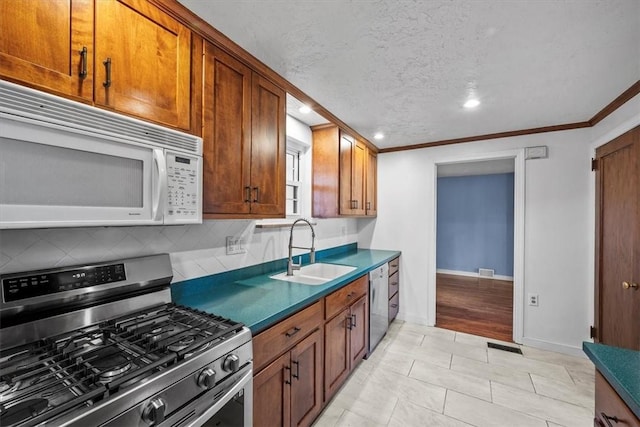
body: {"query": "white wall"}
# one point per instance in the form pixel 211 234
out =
pixel 556 231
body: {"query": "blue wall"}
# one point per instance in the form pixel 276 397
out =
pixel 475 223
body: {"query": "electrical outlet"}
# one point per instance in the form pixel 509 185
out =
pixel 235 245
pixel 533 300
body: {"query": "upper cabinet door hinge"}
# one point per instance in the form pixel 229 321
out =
pixel 594 164
pixel 592 332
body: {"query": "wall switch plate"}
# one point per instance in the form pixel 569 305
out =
pixel 533 300
pixel 235 245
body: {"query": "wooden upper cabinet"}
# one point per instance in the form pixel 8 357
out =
pixel 149 74
pixel 371 199
pixel 226 133
pixel 344 175
pixel 268 147
pixel 244 140
pixel 42 45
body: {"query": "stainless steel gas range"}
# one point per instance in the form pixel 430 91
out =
pixel 102 345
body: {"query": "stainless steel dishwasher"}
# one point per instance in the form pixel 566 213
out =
pixel 378 305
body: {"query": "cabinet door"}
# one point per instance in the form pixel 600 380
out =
pixel 347 144
pixel 41 44
pixel 150 55
pixel 359 331
pixel 336 352
pixel 267 148
pixel 618 238
pixel 226 134
pixel 371 204
pixel 306 380
pixel 272 393
pixel 358 178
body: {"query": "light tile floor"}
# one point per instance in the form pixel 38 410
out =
pixel 424 376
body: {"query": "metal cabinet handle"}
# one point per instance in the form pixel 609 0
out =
pixel 83 62
pixel 247 194
pixel 257 197
pixel 107 67
pixel 356 204
pixel 368 206
pixel 287 381
pixel 627 285
pixel 297 374
pixel 292 332
pixel 353 316
pixel 349 325
pixel 607 418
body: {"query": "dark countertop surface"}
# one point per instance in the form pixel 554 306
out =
pixel 259 301
pixel 621 368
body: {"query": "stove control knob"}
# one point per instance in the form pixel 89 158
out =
pixel 153 414
pixel 231 363
pixel 207 378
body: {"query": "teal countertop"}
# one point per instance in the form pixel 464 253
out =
pixel 621 368
pixel 258 301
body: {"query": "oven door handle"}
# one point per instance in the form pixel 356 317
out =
pixel 245 381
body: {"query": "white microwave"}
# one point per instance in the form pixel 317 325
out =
pixel 67 164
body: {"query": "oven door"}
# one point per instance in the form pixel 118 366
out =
pixel 229 403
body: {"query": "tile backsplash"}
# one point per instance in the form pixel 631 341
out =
pixel 196 250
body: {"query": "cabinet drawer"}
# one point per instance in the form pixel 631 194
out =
pixel 394 306
pixel 610 404
pixel 337 301
pixel 394 284
pixel 270 344
pixel 394 265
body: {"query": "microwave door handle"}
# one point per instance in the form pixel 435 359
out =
pixel 161 184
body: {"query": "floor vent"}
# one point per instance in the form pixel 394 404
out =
pixel 504 348
pixel 485 272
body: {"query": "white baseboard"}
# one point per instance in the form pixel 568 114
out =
pixel 551 346
pixel 472 274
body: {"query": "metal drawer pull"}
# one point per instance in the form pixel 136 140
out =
pixel 607 418
pixel 292 332
pixel 247 195
pixel 349 325
pixel 83 62
pixel 107 67
pixel 353 316
pixel 257 198
pixel 297 374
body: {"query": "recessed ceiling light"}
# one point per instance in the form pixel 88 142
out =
pixel 471 103
pixel 378 135
pixel 305 109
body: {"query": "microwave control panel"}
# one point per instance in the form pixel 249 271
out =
pixel 35 285
pixel 183 202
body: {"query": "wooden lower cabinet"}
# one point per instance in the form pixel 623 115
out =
pixel 345 334
pixel 610 409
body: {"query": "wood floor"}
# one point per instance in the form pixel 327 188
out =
pixel 476 306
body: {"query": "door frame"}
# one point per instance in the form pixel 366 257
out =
pixel 518 157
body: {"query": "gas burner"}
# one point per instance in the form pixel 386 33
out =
pixel 22 411
pixel 110 362
pixel 199 349
pixel 182 343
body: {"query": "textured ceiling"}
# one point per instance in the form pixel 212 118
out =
pixel 406 67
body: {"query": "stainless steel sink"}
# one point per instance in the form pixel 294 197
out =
pixel 315 274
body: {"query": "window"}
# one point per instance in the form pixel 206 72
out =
pixel 294 183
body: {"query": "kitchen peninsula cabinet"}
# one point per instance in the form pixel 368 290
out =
pixel 609 406
pixel 344 175
pixel 124 55
pixel 244 140
pixel 288 391
pixel 345 333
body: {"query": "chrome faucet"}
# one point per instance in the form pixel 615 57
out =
pixel 291 266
